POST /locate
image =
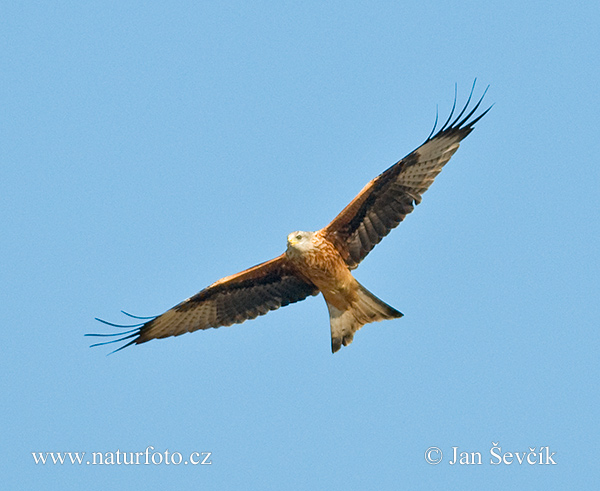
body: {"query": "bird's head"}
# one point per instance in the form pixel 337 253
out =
pixel 299 240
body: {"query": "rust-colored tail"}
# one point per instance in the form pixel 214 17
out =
pixel 368 308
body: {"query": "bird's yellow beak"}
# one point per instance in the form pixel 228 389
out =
pixel 291 239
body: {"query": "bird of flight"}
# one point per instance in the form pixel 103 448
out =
pixel 320 261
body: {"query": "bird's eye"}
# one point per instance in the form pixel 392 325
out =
pixel 298 237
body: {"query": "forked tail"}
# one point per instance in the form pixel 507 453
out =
pixel 368 308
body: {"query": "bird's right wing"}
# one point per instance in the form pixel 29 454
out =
pixel 231 300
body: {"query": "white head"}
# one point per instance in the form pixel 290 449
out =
pixel 300 241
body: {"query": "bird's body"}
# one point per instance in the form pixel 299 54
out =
pixel 320 261
pixel 322 264
pixel 350 305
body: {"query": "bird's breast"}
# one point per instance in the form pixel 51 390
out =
pixel 325 267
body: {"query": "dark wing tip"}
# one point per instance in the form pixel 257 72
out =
pixel 461 122
pixel 133 332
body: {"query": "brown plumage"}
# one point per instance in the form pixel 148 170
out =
pixel 320 261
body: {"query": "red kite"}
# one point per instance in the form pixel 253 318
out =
pixel 320 261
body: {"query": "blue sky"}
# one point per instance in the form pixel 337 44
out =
pixel 149 149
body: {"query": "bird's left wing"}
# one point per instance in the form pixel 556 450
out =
pixel 386 200
pixel 231 300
